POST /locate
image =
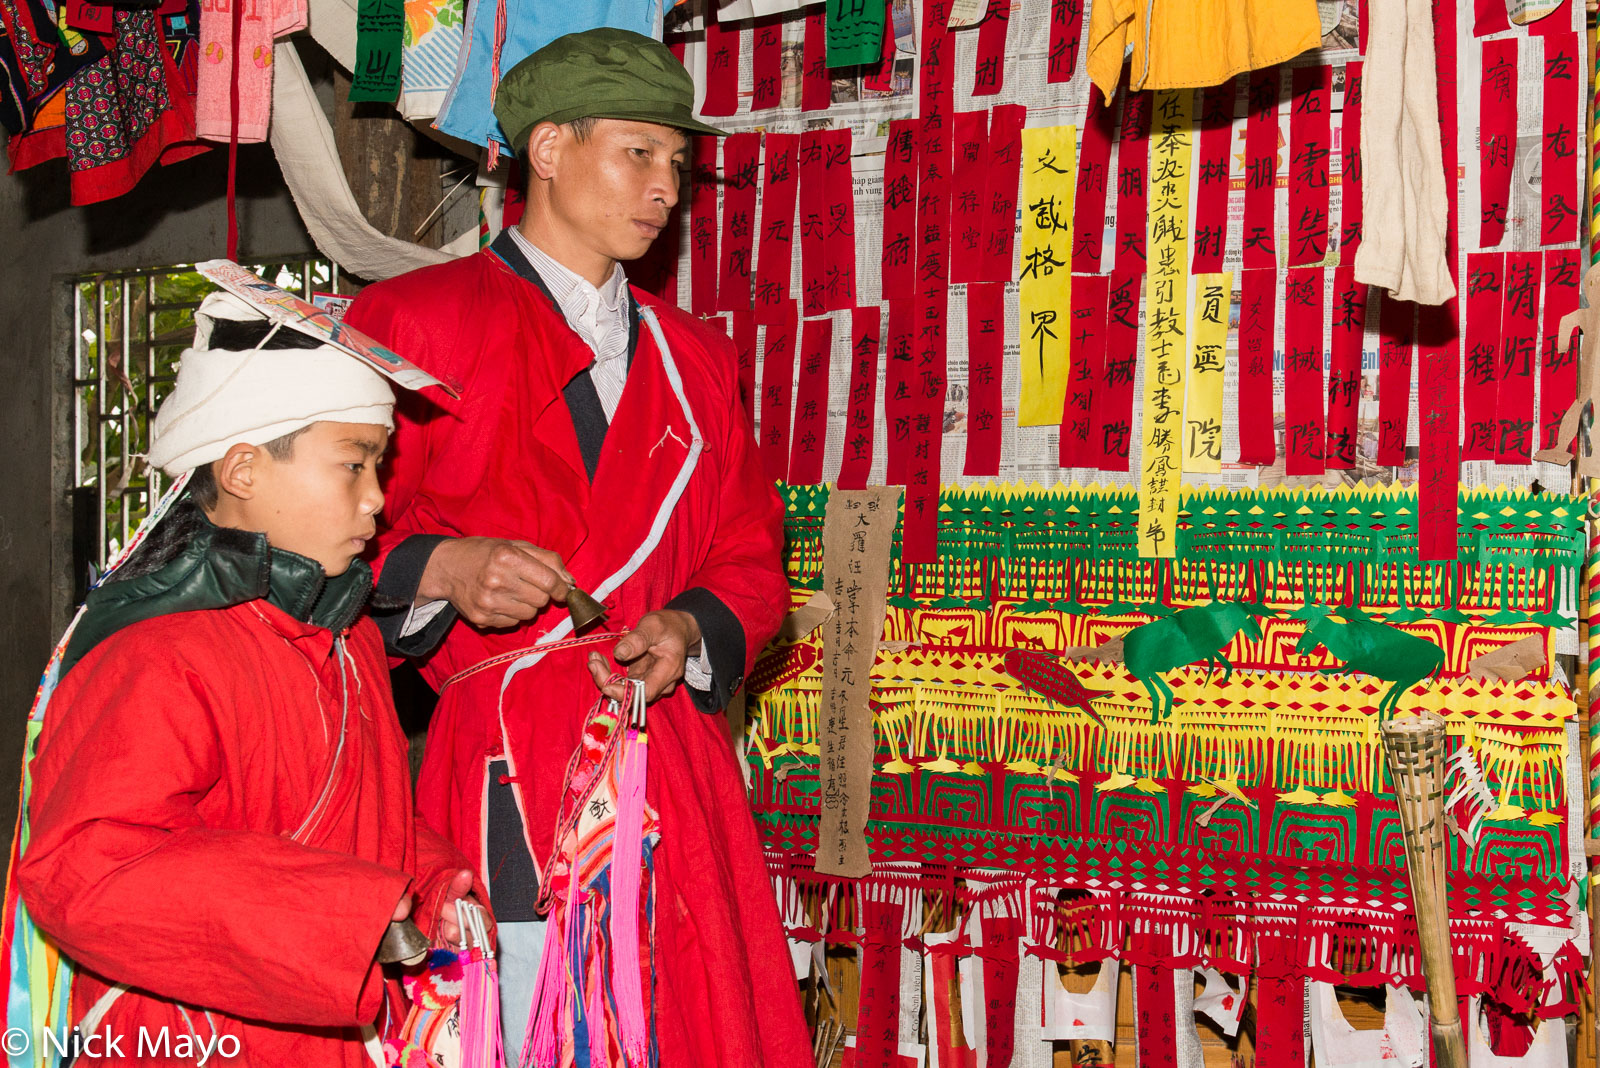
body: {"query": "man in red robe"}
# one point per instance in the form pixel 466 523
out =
pixel 599 441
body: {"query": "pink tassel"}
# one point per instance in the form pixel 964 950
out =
pixel 480 1016
pixel 627 872
pixel 597 1015
pixel 552 994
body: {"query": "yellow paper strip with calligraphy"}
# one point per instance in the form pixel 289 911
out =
pixel 1166 308
pixel 1049 177
pixel 1208 343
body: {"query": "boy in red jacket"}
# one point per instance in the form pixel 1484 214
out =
pixel 221 822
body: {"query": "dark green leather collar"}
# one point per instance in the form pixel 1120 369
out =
pixel 219 568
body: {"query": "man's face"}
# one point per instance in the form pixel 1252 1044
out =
pixel 612 191
pixel 323 501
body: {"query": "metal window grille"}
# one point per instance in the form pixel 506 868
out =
pixel 128 330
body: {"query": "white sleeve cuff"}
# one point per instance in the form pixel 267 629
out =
pixel 697 670
pixel 420 615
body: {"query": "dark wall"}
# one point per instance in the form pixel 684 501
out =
pixel 177 214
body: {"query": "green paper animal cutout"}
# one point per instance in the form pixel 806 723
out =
pixel 1186 637
pixel 1375 649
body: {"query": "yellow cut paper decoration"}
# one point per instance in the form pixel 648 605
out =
pixel 1049 177
pixel 1166 303
pixel 1208 341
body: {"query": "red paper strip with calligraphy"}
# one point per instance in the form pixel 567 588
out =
pixel 1519 328
pixel 1080 431
pixel 861 403
pixel 1305 431
pixel 809 438
pixel 1309 161
pixel 986 338
pixel 1258 306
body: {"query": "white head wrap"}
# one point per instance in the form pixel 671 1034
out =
pixel 223 398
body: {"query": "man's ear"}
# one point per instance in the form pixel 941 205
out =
pixel 237 472
pixel 544 150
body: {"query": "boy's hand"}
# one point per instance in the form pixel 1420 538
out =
pixel 654 651
pixel 493 582
pixel 449 926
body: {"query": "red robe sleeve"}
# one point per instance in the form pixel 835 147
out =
pixel 123 873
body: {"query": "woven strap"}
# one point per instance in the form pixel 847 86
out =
pixel 506 658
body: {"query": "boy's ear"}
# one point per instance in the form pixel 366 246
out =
pixel 237 473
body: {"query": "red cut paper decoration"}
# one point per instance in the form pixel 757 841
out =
pixel 741 167
pixel 703 229
pixel 968 214
pixel 1350 166
pixel 1309 162
pixel 1519 357
pixel 989 75
pixel 1003 175
pixel 1080 432
pixel 1133 157
pixel 900 210
pixel 1344 368
pixel 775 254
pixel 722 69
pixel 1211 188
pixel 777 387
pixel 1558 371
pixel 1497 135
pixel 810 436
pixel 860 421
pixel 1066 31
pixel 1481 385
pixel 1113 397
pixel 1261 171
pixel 743 333
pixel 1396 338
pixel 1258 306
pixel 1089 202
pixel 986 338
pixel 1305 430
pixel 1563 138
pixel 816 88
pixel 766 66
pixel 897 377
pixel 1439 340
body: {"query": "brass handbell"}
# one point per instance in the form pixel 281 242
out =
pixel 584 610
pixel 403 943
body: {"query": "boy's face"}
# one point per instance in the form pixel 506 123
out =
pixel 323 501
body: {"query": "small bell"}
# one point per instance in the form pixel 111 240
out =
pixel 584 610
pixel 403 943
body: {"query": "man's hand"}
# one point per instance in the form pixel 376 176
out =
pixel 493 582
pixel 448 930
pixel 654 651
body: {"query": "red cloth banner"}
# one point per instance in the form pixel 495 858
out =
pixel 1558 371
pixel 1481 385
pixel 1261 171
pixel 1211 189
pixel 741 167
pixel 1089 202
pixel 989 76
pixel 766 66
pixel 1066 32
pixel 986 339
pixel 1563 140
pixel 703 229
pixel 897 377
pixel 743 333
pixel 860 413
pixel 810 435
pixel 900 210
pixel 1397 334
pixel 775 254
pixel 1258 306
pixel 1080 431
pixel 1310 156
pixel 1519 328
pixel 969 218
pixel 1133 157
pixel 816 88
pixel 722 69
pixel 1497 135
pixel 1344 368
pixel 1113 397
pixel 1350 166
pixel 1305 430
pixel 1002 177
pixel 777 388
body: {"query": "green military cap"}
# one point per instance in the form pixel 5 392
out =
pixel 604 73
